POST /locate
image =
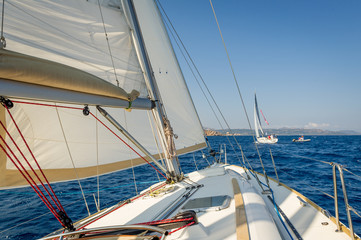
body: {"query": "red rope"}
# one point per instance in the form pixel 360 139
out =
pixel 60 207
pixel 35 187
pixel 49 105
pixel 56 202
pixel 165 221
pixel 40 194
pixel 46 105
pixel 125 203
pixel 191 223
pixel 127 144
pixel 22 166
pixel 38 191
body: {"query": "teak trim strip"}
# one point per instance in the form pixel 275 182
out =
pixel 241 218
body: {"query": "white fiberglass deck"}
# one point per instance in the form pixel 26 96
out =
pixel 261 219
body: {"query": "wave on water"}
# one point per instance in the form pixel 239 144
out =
pixel 302 166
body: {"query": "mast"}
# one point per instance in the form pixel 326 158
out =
pixel 172 163
pixel 255 121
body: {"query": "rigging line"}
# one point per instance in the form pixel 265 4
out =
pixel 204 94
pixel 155 139
pixel 274 165
pixel 93 66
pixel 108 188
pixel 106 37
pixel 354 210
pixel 179 39
pixel 175 40
pixel 351 172
pixel 2 38
pixel 205 157
pixel 195 77
pixel 56 200
pixel 71 158
pixel 85 44
pixel 274 203
pixel 28 178
pixel 96 203
pixel 184 48
pixel 329 195
pixel 193 183
pixel 161 136
pixel 97 150
pixel 127 144
pixel 189 224
pixel 8 229
pixel 264 117
pixel 47 105
pixel 168 22
pixel 121 204
pixel 130 155
pixel 308 158
pixel 245 159
pixel 31 183
pixel 194 159
pixel 250 169
pixel 156 142
pixel 278 210
pixel 230 63
pixel 75 108
pixel 239 92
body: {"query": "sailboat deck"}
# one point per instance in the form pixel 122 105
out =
pixel 303 219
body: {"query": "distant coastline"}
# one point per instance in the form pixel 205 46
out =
pixel 279 132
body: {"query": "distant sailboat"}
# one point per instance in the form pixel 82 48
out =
pixel 260 135
pixel 63 95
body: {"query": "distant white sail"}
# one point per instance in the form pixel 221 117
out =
pixel 257 121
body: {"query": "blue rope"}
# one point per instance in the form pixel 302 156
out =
pixel 275 206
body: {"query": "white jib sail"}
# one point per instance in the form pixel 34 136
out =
pixel 169 77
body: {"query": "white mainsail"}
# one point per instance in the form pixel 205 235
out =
pixel 72 33
pixel 257 121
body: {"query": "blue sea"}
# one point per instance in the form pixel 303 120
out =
pixel 299 165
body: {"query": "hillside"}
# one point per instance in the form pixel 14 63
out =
pixel 281 131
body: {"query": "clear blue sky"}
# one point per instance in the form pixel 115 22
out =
pixel 302 58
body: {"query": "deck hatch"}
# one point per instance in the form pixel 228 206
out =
pixel 208 203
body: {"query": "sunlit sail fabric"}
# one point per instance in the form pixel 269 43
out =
pixel 63 138
pixel 72 33
pixel 169 77
pixel 23 68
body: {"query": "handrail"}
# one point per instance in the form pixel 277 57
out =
pixel 348 207
pixel 111 228
pixel 222 149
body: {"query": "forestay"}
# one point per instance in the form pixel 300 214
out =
pixel 72 33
